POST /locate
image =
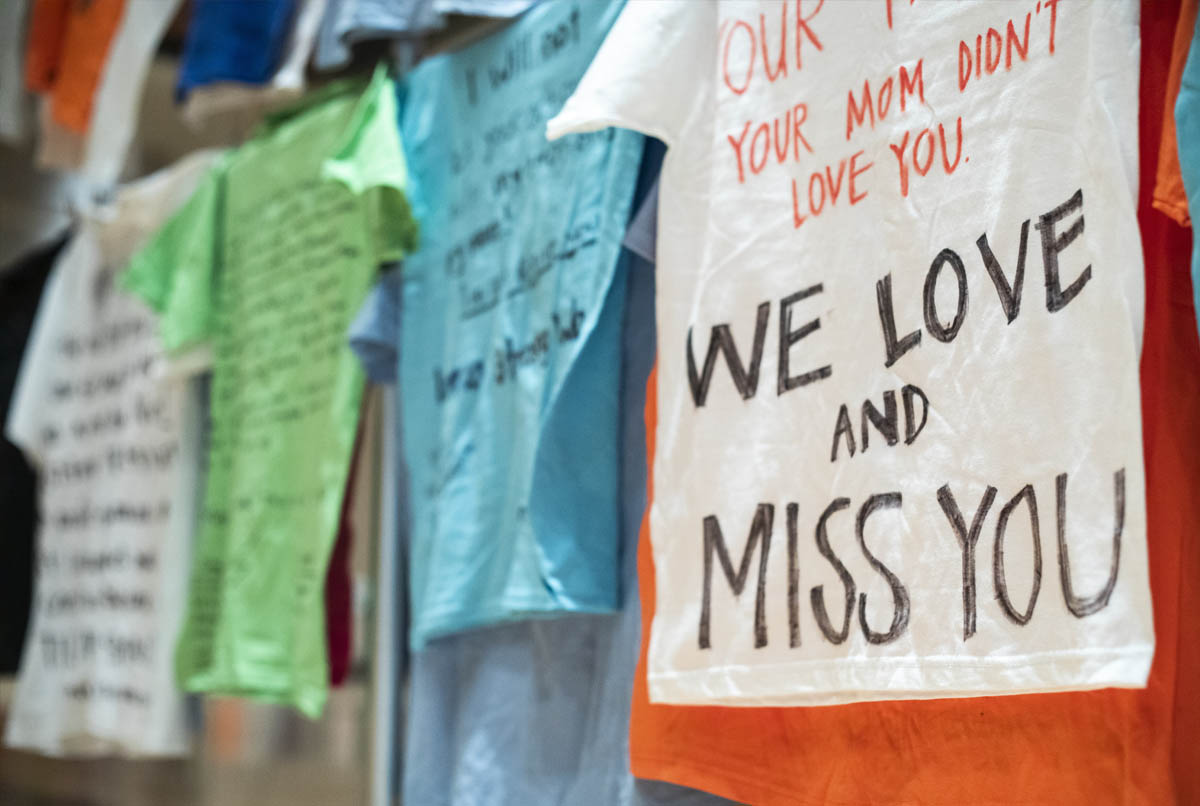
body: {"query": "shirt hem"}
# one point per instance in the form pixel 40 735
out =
pixel 839 682
pixel 454 622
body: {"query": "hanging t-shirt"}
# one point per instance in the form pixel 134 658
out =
pixel 286 85
pixel 512 316
pixel 269 262
pixel 1134 746
pixel 548 699
pixel 119 93
pixel 43 44
pixel 21 284
pixel 114 438
pixel 861 506
pixel 67 49
pixel 349 22
pixel 229 41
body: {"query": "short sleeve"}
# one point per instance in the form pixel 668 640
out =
pixel 647 76
pixel 26 424
pixel 370 160
pixel 175 272
pixel 375 333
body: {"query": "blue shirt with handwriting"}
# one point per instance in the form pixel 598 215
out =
pixel 510 372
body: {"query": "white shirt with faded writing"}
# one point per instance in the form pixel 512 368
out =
pixel 899 318
pixel 113 436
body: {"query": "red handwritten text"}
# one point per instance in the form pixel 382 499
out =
pixel 768 138
pixel 993 48
pixel 825 188
pixel 920 157
pixel 741 44
pixel 876 108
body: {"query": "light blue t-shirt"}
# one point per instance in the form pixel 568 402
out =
pixel 511 326
pixel 537 711
pixel 1187 132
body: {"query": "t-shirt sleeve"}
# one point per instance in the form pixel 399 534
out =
pixel 375 333
pixel 370 161
pixel 648 73
pixel 175 272
pixel 27 424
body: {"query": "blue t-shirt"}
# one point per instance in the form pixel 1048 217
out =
pixel 234 40
pixel 1187 132
pixel 537 711
pixel 348 22
pixel 512 321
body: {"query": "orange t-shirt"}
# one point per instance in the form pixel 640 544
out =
pixel 43 44
pixel 1169 194
pixel 65 54
pixel 1097 747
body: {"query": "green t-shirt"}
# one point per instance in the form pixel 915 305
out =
pixel 268 263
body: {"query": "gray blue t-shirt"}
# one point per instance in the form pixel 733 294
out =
pixel 537 711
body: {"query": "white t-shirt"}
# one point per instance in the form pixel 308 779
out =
pixel 898 409
pixel 113 437
pixel 117 104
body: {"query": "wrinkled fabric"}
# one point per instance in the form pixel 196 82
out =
pixel 535 712
pixel 268 263
pixel 228 40
pixel 114 439
pixel 66 52
pixel 1126 746
pixel 512 313
pixel 286 84
pixel 823 481
pixel 119 92
pixel 348 22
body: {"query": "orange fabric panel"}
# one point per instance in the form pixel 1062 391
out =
pixel 1169 195
pixel 90 31
pixel 44 42
pixel 1088 748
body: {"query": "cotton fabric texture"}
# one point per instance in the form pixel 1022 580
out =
pixel 493 715
pixel 819 489
pixel 118 94
pixel 1132 746
pixel 285 85
pixel 114 439
pixel 348 22
pixel 513 310
pixel 228 41
pixel 66 52
pixel 268 263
